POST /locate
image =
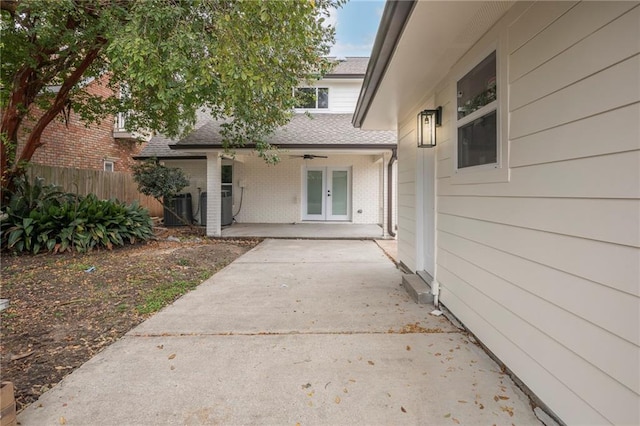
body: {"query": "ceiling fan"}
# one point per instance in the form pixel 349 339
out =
pixel 309 156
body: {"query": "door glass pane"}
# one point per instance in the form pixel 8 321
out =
pixel 314 191
pixel 339 194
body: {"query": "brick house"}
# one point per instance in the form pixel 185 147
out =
pixel 100 146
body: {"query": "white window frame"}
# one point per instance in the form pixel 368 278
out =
pixel 493 172
pixel 316 98
pixel 106 163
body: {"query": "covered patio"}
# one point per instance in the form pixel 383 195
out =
pixel 346 231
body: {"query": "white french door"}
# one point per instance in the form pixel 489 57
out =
pixel 326 193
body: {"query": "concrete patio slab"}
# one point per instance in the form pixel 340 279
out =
pixel 293 332
pixel 304 230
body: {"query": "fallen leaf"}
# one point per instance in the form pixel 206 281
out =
pixel 337 400
pixel 307 386
pixel 22 355
pixel 462 401
pixel 172 356
pixel 371 362
pixel 408 347
pixel 63 421
pixel 456 421
pixel 446 416
pixel 508 410
pixel 160 346
pixel 503 397
pixel 403 410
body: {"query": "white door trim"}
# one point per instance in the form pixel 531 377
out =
pixel 326 213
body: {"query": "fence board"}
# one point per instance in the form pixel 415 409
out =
pixel 105 185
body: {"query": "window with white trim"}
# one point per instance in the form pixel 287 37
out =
pixel 109 166
pixel 227 178
pixel 312 97
pixel 477 118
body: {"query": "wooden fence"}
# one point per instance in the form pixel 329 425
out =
pixel 105 185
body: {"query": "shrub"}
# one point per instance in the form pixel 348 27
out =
pixel 40 217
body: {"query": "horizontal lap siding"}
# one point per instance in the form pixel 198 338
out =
pixel 545 268
pixel 342 96
pixel 407 196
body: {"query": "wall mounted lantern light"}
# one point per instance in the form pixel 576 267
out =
pixel 428 120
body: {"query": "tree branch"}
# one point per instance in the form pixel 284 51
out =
pixel 33 142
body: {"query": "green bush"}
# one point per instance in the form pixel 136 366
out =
pixel 40 217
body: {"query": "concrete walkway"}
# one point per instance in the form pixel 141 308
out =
pixel 293 332
pixel 307 230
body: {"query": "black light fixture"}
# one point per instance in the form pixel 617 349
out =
pixel 428 120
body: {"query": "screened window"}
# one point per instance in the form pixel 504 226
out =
pixel 477 115
pixel 312 97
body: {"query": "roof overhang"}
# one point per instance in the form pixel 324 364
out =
pixel 417 44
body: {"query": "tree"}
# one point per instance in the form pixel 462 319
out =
pixel 160 182
pixel 163 59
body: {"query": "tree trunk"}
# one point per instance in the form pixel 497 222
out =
pixel 11 119
pixel 12 116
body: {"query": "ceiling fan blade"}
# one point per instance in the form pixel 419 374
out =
pixel 308 156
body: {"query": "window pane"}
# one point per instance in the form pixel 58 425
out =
pixel 339 192
pixel 477 142
pixel 227 174
pixel 306 97
pixel 314 191
pixel 323 97
pixel 478 87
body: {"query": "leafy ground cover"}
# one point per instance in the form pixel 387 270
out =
pixel 65 308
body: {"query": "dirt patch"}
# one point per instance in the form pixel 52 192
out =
pixel 66 308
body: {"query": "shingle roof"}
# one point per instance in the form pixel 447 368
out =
pixel 321 130
pixel 351 65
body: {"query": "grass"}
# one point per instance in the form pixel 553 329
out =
pixel 165 294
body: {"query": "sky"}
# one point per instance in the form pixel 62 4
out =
pixel 356 25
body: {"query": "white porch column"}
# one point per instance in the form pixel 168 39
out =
pixel 214 200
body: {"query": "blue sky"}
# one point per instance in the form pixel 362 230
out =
pixel 356 25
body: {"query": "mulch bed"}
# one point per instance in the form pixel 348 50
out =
pixel 65 308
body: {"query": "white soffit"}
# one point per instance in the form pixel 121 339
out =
pixel 436 36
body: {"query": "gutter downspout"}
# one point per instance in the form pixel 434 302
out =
pixel 394 157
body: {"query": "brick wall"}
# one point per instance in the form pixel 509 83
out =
pixel 273 193
pixel 84 147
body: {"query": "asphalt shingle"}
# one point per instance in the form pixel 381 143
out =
pixel 319 129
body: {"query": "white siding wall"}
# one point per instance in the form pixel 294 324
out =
pixel 544 264
pixel 407 196
pixel 343 95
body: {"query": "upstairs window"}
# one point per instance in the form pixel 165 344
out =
pixel 312 97
pixel 477 107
